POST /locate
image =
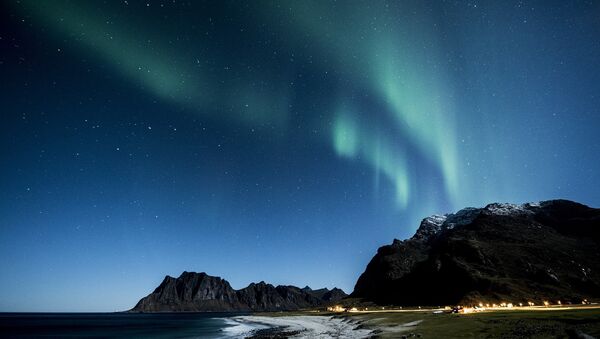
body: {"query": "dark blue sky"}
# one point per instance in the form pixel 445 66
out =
pixel 276 141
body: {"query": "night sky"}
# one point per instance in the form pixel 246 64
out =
pixel 278 141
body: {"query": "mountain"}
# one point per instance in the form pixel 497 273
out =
pixel 325 294
pixel 200 292
pixel 499 253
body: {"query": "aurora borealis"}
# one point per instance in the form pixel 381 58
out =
pixel 276 141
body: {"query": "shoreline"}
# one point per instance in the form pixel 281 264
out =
pixel 295 326
pixel 421 323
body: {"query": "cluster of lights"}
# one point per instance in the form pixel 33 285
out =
pixel 483 307
pixel 336 308
pixel 339 308
pixel 467 309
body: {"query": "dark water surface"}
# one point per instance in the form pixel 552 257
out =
pixel 114 325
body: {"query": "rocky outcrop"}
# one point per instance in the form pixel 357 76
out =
pixel 199 292
pixel 191 292
pixel 544 251
pixel 325 294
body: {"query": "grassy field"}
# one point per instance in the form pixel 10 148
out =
pixel 502 324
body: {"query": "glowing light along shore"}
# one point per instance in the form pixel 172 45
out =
pixel 481 307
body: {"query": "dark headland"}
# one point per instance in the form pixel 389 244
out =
pixel 547 251
pixel 200 292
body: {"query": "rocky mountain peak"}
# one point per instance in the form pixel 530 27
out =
pixel 429 227
pixel 434 225
pixel 509 209
pixel 200 292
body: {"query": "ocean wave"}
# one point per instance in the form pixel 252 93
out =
pixel 313 327
pixel 240 328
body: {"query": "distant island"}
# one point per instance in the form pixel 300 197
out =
pixel 522 254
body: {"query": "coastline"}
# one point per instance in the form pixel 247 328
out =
pixel 566 321
pixel 574 321
pixel 296 326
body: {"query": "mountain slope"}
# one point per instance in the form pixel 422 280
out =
pixel 199 292
pixel 502 252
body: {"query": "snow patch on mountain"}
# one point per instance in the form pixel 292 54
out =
pixel 507 209
pixel 436 224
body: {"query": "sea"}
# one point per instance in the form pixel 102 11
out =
pixel 122 325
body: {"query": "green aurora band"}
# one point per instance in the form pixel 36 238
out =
pixel 353 142
pixel 393 61
pixel 168 68
pixel 396 62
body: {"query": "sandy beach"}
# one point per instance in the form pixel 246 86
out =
pixel 296 327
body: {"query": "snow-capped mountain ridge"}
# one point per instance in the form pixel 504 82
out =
pixel 435 224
